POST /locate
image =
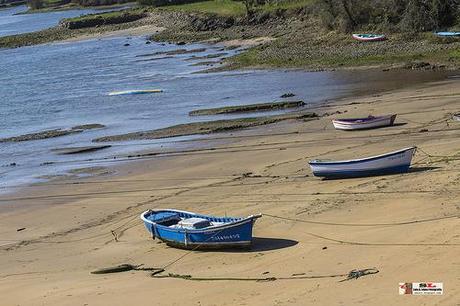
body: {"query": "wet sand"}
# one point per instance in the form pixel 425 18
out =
pixel 68 223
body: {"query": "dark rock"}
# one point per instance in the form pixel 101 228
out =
pixel 325 248
pixel 211 23
pixel 261 18
pixel 126 45
pixel 287 95
pixel 181 43
pixel 20 229
pixel 208 127
pixel 89 126
pixel 247 108
pixel 77 150
pixel 148 42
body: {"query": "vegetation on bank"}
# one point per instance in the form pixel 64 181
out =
pixel 220 7
pixel 94 20
pixel 316 34
pixel 232 7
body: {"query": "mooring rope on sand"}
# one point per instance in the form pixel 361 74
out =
pixel 156 273
pixel 353 274
pixel 361 224
pixel 347 242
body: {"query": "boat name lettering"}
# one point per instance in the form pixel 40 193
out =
pixel 226 237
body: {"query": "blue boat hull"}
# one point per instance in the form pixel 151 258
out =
pixel 237 233
pixel 389 163
pixel 362 173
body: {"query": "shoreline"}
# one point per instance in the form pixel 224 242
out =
pixel 219 129
pixel 266 174
pixel 268 42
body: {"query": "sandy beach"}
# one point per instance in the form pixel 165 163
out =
pixel 69 225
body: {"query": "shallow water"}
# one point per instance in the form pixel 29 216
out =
pixel 66 84
pixel 12 22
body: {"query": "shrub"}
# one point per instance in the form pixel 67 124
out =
pixel 406 15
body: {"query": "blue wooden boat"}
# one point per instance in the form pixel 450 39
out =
pixel 448 34
pixel 389 163
pixel 194 231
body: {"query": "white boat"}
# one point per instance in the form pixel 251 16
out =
pixel 369 37
pixel 134 92
pixel 388 163
pixel 370 122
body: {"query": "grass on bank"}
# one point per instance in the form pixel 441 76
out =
pixel 317 54
pixel 233 8
pixel 285 5
pixel 219 7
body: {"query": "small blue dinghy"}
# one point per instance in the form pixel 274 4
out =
pixel 188 230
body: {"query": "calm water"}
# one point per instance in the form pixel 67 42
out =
pixel 11 22
pixel 65 84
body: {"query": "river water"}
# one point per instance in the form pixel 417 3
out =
pixel 13 22
pixel 61 85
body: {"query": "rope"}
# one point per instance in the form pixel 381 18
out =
pixel 445 158
pixel 361 224
pixel 353 274
pixel 190 251
pixel 372 243
pixel 379 244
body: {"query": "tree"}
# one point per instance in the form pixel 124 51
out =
pixel 251 6
pixel 35 4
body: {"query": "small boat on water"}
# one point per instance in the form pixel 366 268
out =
pixel 369 37
pixel 134 92
pixel 194 231
pixel 448 34
pixel 370 122
pixel 388 163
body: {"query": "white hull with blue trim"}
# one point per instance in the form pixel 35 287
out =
pixel 370 122
pixel 389 163
pixel 194 231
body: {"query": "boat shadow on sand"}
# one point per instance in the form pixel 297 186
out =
pixel 411 170
pixel 422 169
pixel 259 244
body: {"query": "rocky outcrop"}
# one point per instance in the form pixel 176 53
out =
pixel 99 20
pixel 259 107
pixel 52 133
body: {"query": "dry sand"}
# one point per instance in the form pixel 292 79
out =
pixel 68 225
